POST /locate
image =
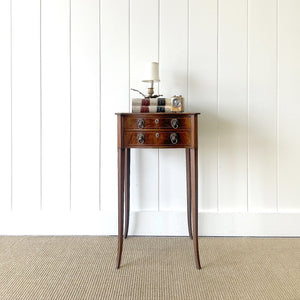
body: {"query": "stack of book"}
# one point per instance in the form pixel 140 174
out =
pixel 151 105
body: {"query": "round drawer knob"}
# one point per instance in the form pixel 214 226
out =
pixel 141 123
pixel 175 123
pixel 157 134
pixel 174 138
pixel 156 121
pixel 141 138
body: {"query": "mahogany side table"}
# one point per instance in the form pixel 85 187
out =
pixel 158 130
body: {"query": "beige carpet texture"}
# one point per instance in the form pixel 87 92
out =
pixel 151 268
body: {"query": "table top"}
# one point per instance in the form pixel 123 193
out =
pixel 161 113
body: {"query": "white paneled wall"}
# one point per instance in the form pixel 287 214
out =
pixel 5 106
pixel 55 90
pixel 262 105
pixel 25 105
pixel 232 105
pixel 66 68
pixel 203 94
pixel 85 105
pixel 288 116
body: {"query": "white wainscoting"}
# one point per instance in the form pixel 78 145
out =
pixel 66 67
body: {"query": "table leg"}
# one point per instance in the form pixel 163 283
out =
pixel 188 189
pixel 121 153
pixel 127 190
pixel 194 193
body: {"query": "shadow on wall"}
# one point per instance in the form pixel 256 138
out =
pixel 237 154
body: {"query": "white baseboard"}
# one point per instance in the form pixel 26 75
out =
pixel 150 223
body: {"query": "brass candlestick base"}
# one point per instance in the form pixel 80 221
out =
pixel 150 92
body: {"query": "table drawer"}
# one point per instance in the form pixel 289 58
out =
pixel 157 122
pixel 163 139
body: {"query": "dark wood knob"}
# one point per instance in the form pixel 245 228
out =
pixel 174 138
pixel 141 123
pixel 141 138
pixel 175 123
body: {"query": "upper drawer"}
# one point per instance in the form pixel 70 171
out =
pixel 160 122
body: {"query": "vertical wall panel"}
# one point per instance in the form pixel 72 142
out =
pixel 262 104
pixel 202 93
pixel 289 104
pixel 114 91
pixel 143 48
pixel 173 64
pixel 85 104
pixel 5 106
pixel 55 64
pixel 232 78
pixel 26 104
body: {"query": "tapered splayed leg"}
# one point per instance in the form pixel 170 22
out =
pixel 194 193
pixel 127 191
pixel 120 203
pixel 188 189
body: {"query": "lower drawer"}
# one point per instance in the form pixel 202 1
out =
pixel 157 139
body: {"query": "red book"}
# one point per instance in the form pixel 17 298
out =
pixel 151 108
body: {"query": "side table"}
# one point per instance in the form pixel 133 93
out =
pixel 158 130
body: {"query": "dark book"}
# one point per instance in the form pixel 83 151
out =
pixel 151 102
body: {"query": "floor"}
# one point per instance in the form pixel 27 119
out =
pixel 151 268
